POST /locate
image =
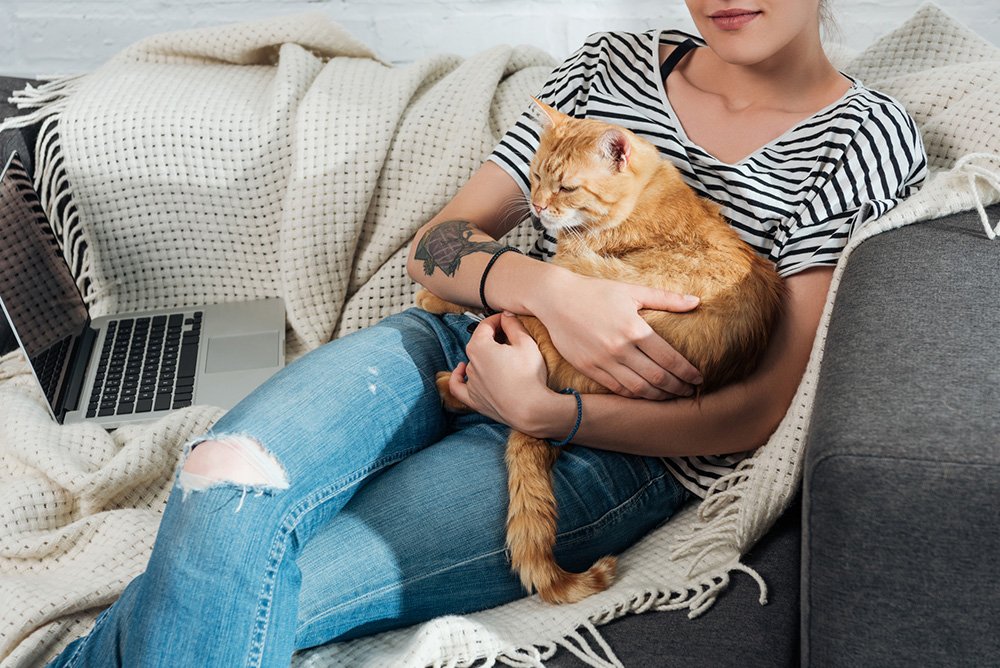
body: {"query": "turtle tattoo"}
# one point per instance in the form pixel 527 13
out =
pixel 446 244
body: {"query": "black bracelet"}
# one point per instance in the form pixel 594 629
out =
pixel 579 418
pixel 482 281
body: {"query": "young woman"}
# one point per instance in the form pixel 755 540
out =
pixel 339 500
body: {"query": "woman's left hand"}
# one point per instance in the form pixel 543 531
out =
pixel 503 381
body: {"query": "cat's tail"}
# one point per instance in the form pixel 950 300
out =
pixel 531 527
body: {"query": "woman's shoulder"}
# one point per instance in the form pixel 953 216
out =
pixel 875 101
pixel 871 128
pixel 876 111
pixel 672 37
pixel 614 40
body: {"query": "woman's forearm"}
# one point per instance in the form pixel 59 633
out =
pixel 735 418
pixel 449 258
pixel 450 253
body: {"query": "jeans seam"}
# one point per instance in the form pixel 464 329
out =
pixel 98 623
pixel 588 529
pixel 397 585
pixel 601 521
pixel 279 544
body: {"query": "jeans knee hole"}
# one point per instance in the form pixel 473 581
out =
pixel 231 459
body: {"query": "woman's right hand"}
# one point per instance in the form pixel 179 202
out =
pixel 595 325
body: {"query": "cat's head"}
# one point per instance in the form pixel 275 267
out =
pixel 586 174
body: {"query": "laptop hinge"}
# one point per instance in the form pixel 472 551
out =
pixel 73 384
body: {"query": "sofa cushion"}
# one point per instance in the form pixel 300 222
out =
pixel 900 529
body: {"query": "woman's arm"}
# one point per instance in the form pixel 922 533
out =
pixel 618 350
pixel 450 252
pixel 735 418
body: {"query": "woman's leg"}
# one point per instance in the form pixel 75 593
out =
pixel 221 587
pixel 426 537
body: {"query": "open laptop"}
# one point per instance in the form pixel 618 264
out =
pixel 123 368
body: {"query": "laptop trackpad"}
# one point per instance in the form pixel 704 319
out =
pixel 241 352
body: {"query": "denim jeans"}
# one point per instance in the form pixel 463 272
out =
pixel 394 512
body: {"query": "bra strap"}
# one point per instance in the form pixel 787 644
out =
pixel 675 56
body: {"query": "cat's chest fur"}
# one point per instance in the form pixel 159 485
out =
pixel 688 265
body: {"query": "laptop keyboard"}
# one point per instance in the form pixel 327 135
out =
pixel 48 366
pixel 146 364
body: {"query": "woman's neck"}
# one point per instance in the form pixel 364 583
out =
pixel 791 80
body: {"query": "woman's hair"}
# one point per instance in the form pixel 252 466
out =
pixel 828 24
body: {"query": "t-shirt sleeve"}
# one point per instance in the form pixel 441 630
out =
pixel 884 163
pixel 566 90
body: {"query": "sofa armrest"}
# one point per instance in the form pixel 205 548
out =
pixel 900 503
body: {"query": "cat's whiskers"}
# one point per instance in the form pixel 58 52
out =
pixel 516 206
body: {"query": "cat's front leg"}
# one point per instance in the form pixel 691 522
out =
pixel 431 303
pixel 448 399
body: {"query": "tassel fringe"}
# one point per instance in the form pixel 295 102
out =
pixel 51 182
pixel 586 642
pixel 46 99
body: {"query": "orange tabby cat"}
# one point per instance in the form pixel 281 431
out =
pixel 633 220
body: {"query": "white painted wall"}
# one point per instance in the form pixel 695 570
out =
pixel 68 36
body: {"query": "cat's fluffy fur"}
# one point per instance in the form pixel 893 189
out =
pixel 630 218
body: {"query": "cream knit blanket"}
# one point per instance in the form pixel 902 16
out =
pixel 282 158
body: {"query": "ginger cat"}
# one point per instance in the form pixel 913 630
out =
pixel 633 220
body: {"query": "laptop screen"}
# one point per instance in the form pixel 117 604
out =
pixel 42 305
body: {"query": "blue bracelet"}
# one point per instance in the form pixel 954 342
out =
pixel 579 418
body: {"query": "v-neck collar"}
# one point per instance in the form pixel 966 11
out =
pixel 654 64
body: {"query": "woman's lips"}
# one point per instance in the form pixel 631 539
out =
pixel 733 21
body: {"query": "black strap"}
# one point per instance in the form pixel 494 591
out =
pixel 675 56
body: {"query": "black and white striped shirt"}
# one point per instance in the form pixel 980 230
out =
pixel 795 200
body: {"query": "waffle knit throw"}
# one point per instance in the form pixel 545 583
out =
pixel 280 157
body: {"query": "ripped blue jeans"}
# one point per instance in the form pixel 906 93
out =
pixel 382 511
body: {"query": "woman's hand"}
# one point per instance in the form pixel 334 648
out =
pixel 504 381
pixel 595 325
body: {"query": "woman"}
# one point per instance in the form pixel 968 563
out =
pixel 339 500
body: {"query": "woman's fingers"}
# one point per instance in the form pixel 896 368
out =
pixel 457 385
pixel 625 382
pixel 485 331
pixel 665 358
pixel 514 329
pixel 664 383
pixel 664 300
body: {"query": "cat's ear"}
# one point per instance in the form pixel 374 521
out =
pixel 617 148
pixel 546 115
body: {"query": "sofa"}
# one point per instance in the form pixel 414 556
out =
pixel 886 558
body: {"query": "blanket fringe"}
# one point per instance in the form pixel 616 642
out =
pixel 51 181
pixel 46 99
pixel 717 527
pixel 589 646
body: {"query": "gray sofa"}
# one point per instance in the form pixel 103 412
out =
pixel 888 559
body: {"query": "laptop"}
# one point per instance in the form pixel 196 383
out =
pixel 125 368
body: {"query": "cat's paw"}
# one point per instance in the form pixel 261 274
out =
pixel 431 303
pixel 447 398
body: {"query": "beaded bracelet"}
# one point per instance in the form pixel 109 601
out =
pixel 579 418
pixel 482 281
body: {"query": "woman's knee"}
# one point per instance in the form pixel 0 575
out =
pixel 236 459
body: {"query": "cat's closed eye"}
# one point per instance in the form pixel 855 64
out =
pixel 568 189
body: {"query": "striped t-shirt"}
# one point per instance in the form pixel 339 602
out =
pixel 795 200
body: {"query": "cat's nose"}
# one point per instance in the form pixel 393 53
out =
pixel 539 207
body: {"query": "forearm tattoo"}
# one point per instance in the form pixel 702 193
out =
pixel 445 245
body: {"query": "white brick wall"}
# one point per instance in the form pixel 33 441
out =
pixel 68 36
